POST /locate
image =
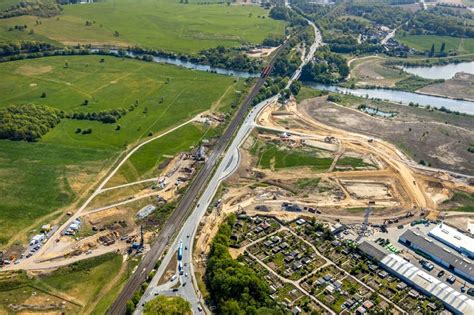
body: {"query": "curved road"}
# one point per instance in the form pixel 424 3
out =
pixel 227 166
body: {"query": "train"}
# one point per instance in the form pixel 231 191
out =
pixel 266 71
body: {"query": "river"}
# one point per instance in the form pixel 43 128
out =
pixel 442 71
pixel 190 65
pixel 401 97
pixel 386 94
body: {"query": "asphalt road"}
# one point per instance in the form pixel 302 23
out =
pixel 179 214
pixel 227 166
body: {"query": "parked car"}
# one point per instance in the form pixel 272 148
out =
pixel 451 279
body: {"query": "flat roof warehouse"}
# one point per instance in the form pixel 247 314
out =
pixel 453 238
pixel 452 261
pixel 455 301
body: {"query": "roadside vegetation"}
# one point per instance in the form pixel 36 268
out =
pixel 168 305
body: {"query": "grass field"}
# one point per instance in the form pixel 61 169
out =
pixel 461 201
pixel 80 283
pixel 39 178
pixel 424 43
pixel 158 24
pixel 274 157
pixel 5 4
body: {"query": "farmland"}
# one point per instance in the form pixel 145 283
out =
pixel 163 24
pixel 42 177
pixel 424 43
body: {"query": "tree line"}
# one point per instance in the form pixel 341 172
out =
pixel 42 8
pixel 234 287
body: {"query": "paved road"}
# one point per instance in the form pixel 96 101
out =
pixel 179 214
pixel 227 166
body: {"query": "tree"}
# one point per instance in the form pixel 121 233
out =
pixel 443 46
pixel 43 95
pixel 118 127
pixel 432 50
pixel 168 305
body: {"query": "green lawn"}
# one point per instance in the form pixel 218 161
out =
pixel 353 162
pixel 39 178
pixel 272 156
pixel 159 24
pixel 424 43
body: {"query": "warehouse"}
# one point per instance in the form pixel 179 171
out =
pixel 453 300
pixel 453 238
pixel 444 257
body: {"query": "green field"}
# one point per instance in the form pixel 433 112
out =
pixel 5 4
pixel 158 24
pixel 78 285
pixel 275 157
pixel 39 178
pixel 424 43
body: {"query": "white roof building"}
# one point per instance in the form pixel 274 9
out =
pixel 453 238
pixel 455 301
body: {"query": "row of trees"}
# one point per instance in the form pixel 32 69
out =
pixel 235 288
pixel 107 116
pixel 9 49
pixel 27 121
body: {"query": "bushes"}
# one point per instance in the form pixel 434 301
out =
pixel 27 122
pixel 107 116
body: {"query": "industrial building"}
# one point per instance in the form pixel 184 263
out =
pixel 455 301
pixel 454 239
pixel 443 256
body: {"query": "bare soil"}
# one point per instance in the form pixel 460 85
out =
pixel 434 137
pixel 461 86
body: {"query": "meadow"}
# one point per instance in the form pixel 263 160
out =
pixel 42 177
pixel 274 157
pixel 158 24
pixel 80 286
pixel 424 43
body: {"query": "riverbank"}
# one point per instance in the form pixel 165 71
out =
pixel 403 98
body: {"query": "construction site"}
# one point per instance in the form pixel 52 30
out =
pixel 292 165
